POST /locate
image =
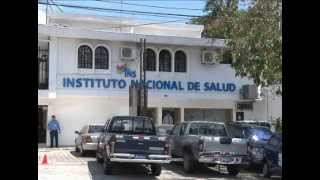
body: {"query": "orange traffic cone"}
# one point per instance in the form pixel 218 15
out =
pixel 45 160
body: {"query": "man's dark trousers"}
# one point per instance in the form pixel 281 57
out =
pixel 53 134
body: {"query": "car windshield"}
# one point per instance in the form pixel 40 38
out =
pixel 96 129
pixel 207 129
pixel 259 133
pixel 132 126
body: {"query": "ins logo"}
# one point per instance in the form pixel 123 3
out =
pixel 122 68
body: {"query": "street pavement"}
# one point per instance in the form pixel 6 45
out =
pixel 66 164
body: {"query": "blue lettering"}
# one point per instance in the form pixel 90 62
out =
pixel 166 85
pixel 197 86
pixel 190 86
pixel 70 82
pixel 114 81
pixel 180 86
pixel 122 84
pixel 98 82
pixel 218 87
pixel 174 85
pixel 224 87
pixel 148 84
pixel 232 87
pixel 106 84
pixel 207 86
pixel 159 85
pixel 92 83
pixel 135 83
pixel 78 83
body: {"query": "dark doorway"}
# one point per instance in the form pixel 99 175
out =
pixel 42 124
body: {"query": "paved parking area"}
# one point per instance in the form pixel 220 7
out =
pixel 65 164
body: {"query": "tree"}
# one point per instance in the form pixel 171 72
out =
pixel 253 35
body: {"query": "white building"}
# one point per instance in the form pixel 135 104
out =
pixel 81 80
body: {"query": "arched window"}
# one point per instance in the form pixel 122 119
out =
pixel 84 57
pixel 150 60
pixel 165 61
pixel 180 62
pixel 101 58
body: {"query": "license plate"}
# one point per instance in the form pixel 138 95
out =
pixel 140 156
pixel 226 160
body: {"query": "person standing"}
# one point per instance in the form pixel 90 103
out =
pixel 54 129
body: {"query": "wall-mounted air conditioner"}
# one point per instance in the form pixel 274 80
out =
pixel 127 54
pixel 209 57
pixel 249 92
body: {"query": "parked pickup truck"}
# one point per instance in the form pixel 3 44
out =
pixel 209 143
pixel 132 139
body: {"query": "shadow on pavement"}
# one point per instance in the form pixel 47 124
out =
pixel 120 171
pixel 212 173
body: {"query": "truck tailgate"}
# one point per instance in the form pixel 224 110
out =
pixel 236 146
pixel 139 144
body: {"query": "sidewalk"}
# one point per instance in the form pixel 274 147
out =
pixel 59 156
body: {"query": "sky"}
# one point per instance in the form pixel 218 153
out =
pixel 198 5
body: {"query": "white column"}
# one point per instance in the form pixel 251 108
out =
pixel 53 52
pixel 181 115
pixel 159 115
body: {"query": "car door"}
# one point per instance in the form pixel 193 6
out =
pixel 174 138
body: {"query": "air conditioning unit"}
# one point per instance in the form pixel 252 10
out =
pixel 127 54
pixel 249 92
pixel 209 57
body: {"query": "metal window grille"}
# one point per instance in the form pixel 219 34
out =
pixel 84 57
pixel 101 57
pixel 151 60
pixel 43 68
pixel 180 62
pixel 165 61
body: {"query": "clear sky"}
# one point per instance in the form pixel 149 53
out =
pixel 198 5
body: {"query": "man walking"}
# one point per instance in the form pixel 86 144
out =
pixel 54 129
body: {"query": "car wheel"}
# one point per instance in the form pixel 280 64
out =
pixel 99 160
pixel 188 163
pixel 266 170
pixel 233 170
pixel 156 169
pixel 107 166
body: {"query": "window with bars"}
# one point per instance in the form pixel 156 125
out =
pixel 150 60
pixel 101 58
pixel 180 62
pixel 43 68
pixel 165 61
pixel 85 57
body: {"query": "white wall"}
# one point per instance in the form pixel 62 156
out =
pixel 75 112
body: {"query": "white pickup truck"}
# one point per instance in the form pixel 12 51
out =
pixel 209 143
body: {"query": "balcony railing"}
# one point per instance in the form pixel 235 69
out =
pixel 43 68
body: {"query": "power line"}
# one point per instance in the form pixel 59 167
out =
pixel 122 11
pixel 141 5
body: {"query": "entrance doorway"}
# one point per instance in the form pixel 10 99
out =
pixel 42 124
pixel 170 116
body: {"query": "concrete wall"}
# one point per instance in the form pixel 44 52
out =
pixel 75 112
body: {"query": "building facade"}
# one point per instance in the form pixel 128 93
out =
pixel 84 75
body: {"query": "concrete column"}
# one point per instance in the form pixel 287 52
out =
pixel 181 115
pixel 159 115
pixel 53 52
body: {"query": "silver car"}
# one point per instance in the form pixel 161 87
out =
pixel 87 138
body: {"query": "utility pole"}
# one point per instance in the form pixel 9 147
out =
pixel 142 95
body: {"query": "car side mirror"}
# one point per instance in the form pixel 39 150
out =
pixel 77 132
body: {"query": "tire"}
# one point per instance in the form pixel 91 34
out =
pixel 266 170
pixel 188 163
pixel 155 169
pixel 233 170
pixel 107 166
pixel 99 160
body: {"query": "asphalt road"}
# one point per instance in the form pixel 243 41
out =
pixel 65 164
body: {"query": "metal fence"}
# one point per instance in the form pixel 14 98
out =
pixel 43 68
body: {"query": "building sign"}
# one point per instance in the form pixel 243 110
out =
pixel 191 86
pixel 122 68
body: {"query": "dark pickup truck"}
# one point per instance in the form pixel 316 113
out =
pixel 132 139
